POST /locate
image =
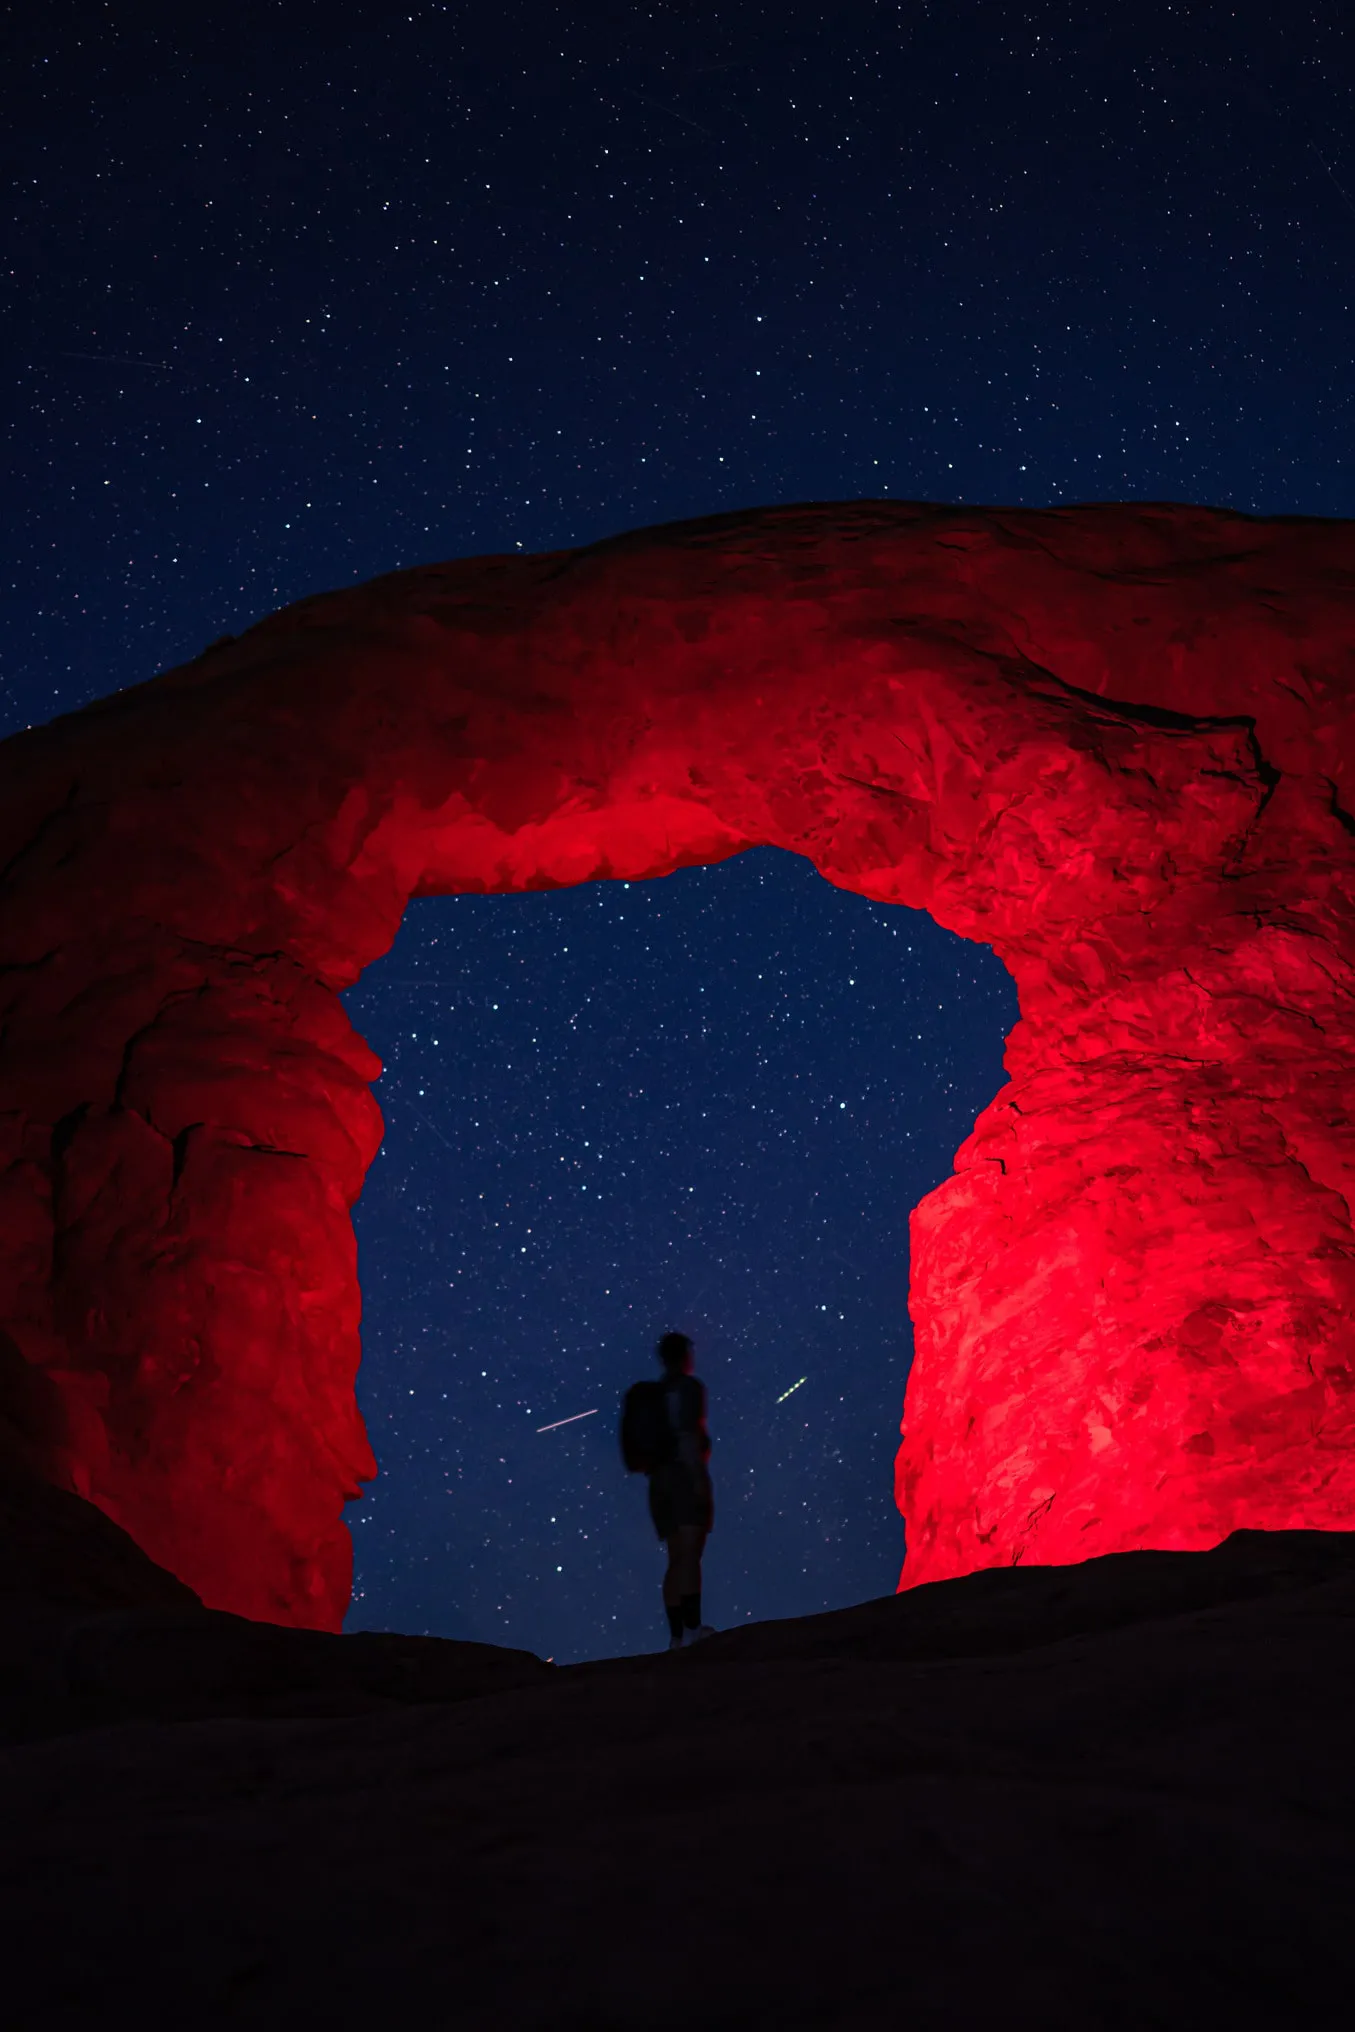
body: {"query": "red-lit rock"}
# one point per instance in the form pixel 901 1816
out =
pixel 1114 743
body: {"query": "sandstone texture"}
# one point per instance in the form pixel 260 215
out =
pixel 1114 743
pixel 1101 1797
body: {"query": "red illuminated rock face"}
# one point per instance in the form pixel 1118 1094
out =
pixel 1115 744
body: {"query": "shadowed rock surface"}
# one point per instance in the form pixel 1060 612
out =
pixel 1115 743
pixel 93 1632
pixel 1113 1796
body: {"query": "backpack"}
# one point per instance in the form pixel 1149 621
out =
pixel 647 1438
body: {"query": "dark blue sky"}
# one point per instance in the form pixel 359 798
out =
pixel 299 293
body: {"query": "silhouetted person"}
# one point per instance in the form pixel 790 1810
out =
pixel 663 1434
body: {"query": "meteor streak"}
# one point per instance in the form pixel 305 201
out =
pixel 791 1392
pixel 572 1420
pixel 129 360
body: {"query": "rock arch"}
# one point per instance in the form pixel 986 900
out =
pixel 1114 742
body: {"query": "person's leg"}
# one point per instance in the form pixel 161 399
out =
pixel 672 1588
pixel 683 1576
pixel 684 1565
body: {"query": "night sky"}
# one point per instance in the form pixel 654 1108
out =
pixel 297 294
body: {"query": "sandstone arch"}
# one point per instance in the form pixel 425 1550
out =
pixel 1113 742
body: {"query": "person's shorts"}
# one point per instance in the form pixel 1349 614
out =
pixel 680 1495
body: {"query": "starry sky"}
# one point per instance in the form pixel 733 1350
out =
pixel 300 293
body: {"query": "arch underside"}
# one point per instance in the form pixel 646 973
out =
pixel 1113 743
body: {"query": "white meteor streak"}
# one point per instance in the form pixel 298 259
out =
pixel 568 1421
pixel 791 1392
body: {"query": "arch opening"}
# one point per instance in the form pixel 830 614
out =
pixel 713 1098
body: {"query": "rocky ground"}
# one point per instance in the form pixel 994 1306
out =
pixel 1112 1795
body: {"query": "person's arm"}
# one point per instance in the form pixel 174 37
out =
pixel 697 1450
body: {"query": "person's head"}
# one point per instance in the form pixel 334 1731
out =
pixel 675 1352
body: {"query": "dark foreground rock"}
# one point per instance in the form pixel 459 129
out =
pixel 93 1632
pixel 1114 1795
